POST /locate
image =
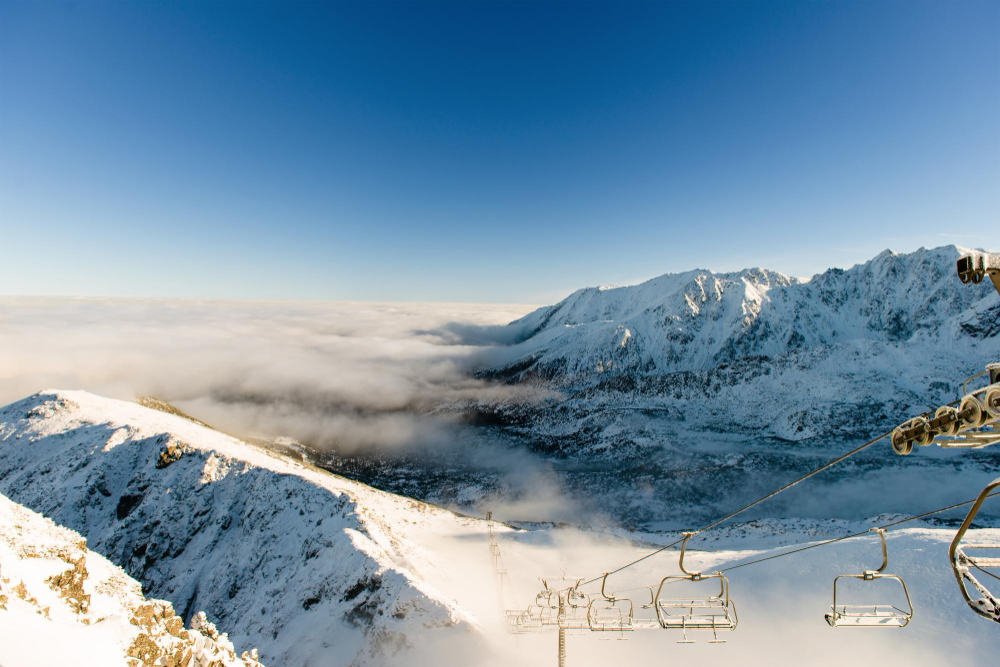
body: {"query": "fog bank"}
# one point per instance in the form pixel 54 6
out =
pixel 342 375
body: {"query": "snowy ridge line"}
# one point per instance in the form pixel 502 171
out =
pixel 270 547
pixel 698 320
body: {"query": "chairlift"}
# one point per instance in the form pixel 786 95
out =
pixel 519 620
pixel 539 614
pixel 645 617
pixel 575 614
pixel 713 613
pixel 870 615
pixel 610 613
pixel 987 606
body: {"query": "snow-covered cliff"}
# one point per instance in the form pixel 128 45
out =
pixel 310 567
pixel 63 604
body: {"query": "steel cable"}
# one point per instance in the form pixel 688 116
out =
pixel 729 516
pixel 853 535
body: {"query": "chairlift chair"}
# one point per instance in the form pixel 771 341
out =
pixel 576 612
pixel 518 621
pixel 646 617
pixel 987 606
pixel 870 615
pixel 539 614
pixel 713 613
pixel 610 613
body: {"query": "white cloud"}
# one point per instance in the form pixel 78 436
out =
pixel 338 374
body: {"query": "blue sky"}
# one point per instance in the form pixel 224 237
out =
pixel 484 152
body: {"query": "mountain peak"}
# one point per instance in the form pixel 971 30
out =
pixel 698 319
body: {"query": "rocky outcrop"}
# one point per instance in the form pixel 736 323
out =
pixel 88 591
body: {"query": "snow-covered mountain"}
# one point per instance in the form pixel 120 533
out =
pixel 309 567
pixel 63 604
pixel 698 320
pixel 847 352
pixel 703 389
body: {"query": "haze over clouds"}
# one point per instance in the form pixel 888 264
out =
pixel 338 374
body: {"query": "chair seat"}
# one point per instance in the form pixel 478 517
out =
pixel 694 614
pixel 868 617
pixel 697 623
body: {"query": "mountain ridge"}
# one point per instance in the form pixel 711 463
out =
pixel 211 522
pixel 697 320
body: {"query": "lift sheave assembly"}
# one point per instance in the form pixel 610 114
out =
pixel 973 423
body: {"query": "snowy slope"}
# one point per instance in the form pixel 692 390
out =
pixel 310 567
pixel 62 604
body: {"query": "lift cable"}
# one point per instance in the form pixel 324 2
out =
pixel 753 504
pixel 853 535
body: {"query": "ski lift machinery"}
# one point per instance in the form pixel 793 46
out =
pixel 972 268
pixel 973 424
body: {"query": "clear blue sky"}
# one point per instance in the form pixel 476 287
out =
pixel 484 152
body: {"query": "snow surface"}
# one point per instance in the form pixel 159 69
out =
pixel 319 570
pixel 294 560
pixel 62 604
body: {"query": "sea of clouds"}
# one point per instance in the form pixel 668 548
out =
pixel 342 375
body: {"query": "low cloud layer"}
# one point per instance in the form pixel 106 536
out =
pixel 346 376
